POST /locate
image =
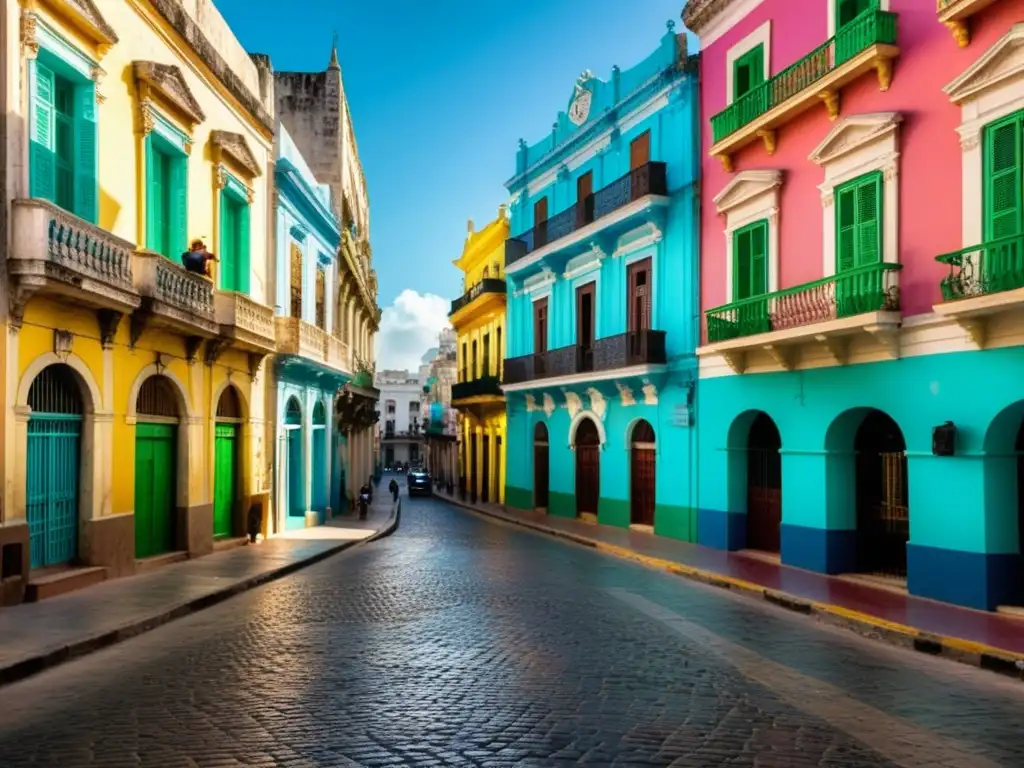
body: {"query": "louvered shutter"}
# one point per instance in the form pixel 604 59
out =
pixel 244 257
pixel 85 153
pixel 741 265
pixel 846 228
pixel 42 169
pixel 869 218
pixel 759 259
pixel 177 191
pixel 1004 178
pixel 228 245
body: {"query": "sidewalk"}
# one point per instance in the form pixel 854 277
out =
pixel 35 636
pixel 988 640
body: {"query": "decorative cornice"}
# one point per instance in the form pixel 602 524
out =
pixel 167 80
pixel 698 13
pixel 82 15
pixel 234 146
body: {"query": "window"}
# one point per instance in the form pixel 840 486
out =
pixel 848 10
pixel 540 326
pixel 748 71
pixel 640 151
pixel 584 199
pixel 750 262
pixel 321 298
pixel 486 371
pixel 501 354
pixel 859 222
pixel 62 146
pixel 295 281
pixel 639 302
pixel 464 358
pixel 166 197
pixel 474 369
pixel 234 241
pixel 1003 187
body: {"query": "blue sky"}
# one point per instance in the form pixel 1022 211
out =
pixel 440 94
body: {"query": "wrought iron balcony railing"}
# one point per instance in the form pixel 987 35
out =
pixel 991 267
pixel 870 28
pixel 609 354
pixel 487 285
pixel 485 385
pixel 649 179
pixel 873 288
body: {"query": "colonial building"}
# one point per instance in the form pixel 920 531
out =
pixel 862 241
pixel 602 282
pixel 441 419
pixel 314 109
pixel 129 136
pixel 313 363
pixel 478 317
pixel 401 419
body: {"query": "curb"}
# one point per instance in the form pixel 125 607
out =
pixel 957 649
pixel 54 657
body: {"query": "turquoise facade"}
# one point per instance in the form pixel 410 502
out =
pixel 964 535
pixel 642 211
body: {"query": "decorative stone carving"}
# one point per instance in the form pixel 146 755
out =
pixel 549 405
pixel 970 141
pixel 235 147
pixel 62 343
pixel 597 403
pixel 531 404
pixel 167 80
pixel 650 393
pixel 573 403
pixel 854 132
pixel 29 44
pixel 146 122
pixel 625 394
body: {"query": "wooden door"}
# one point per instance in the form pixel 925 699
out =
pixel 640 151
pixel 224 473
pixel 540 326
pixel 154 488
pixel 584 200
pixel 540 467
pixel 642 475
pixel 588 468
pixel 540 222
pixel 585 321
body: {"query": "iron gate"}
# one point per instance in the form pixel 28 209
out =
pixel 883 516
pixel 764 499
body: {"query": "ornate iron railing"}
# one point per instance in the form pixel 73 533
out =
pixel 485 385
pixel 872 288
pixel 649 179
pixel 487 285
pixel 870 28
pixel 611 353
pixel 991 267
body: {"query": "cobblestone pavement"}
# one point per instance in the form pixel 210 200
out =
pixel 462 642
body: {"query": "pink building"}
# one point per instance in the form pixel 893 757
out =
pixel 862 239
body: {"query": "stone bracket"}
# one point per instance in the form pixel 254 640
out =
pixel 883 66
pixel 192 345
pixel 976 329
pixel 255 363
pixel 888 336
pixel 836 347
pixel 783 356
pixel 726 161
pixel 831 100
pixel 139 321
pixel 736 359
pixel 768 137
pixel 214 349
pixel 109 320
pixel 961 32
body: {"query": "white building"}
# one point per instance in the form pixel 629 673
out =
pixel 401 418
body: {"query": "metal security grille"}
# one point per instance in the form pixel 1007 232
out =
pixel 156 398
pixel 764 485
pixel 883 514
pixel 54 443
pixel 642 475
pixel 229 405
pixel 588 468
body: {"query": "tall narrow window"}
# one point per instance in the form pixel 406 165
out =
pixel 1003 183
pixel 540 222
pixel 640 151
pixel 639 309
pixel 499 352
pixel 473 371
pixel 859 222
pixel 584 200
pixel 234 240
pixel 540 326
pixel 465 360
pixel 748 72
pixel 321 298
pixel 487 356
pixel 585 316
pixel 295 280
pixel 166 197
pixel 848 10
pixel 750 261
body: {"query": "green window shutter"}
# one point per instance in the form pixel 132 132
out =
pixel 1004 178
pixel 177 208
pixel 85 153
pixel 869 220
pixel 848 10
pixel 228 243
pixel 42 171
pixel 748 71
pixel 846 228
pixel 759 259
pixel 243 261
pixel 741 248
pixel 156 199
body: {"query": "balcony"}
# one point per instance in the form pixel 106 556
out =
pixel 490 288
pixel 403 436
pixel 338 354
pixel 58 254
pixel 867 43
pixel 616 204
pixel 172 298
pixel 955 13
pixel 485 386
pixel 826 312
pixel 611 354
pixel 301 339
pixel 245 323
pixel 983 281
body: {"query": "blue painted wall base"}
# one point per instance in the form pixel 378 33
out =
pixel 721 530
pixel 971 579
pixel 819 549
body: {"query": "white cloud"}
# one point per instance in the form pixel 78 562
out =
pixel 408 328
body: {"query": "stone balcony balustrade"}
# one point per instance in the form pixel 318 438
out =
pixel 338 354
pixel 173 298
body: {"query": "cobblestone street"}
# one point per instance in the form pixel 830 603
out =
pixel 462 642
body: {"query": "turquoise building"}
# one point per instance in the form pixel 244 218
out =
pixel 602 274
pixel 311 364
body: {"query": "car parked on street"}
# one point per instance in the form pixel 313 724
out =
pixel 418 481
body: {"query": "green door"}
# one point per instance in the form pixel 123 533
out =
pixel 52 488
pixel 225 450
pixel 154 488
pixel 296 475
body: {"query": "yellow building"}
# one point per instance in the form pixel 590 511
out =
pixel 134 400
pixel 478 317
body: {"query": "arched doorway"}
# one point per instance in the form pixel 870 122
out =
pixel 296 483
pixel 883 515
pixel 540 466
pixel 588 467
pixel 53 466
pixel 641 474
pixel 226 462
pixel 764 484
pixel 156 441
pixel 319 500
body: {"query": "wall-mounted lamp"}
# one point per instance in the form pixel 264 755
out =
pixel 944 439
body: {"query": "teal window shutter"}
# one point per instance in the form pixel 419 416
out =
pixel 85 192
pixel 177 191
pixel 243 261
pixel 228 243
pixel 1003 188
pixel 42 170
pixel 156 199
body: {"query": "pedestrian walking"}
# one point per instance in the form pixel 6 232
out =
pixel 393 487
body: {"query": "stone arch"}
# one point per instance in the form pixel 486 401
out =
pixel 575 425
pixel 243 400
pixel 179 389
pixel 1001 435
pixel 631 428
pixel 91 398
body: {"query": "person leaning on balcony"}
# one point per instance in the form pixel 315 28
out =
pixel 197 259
